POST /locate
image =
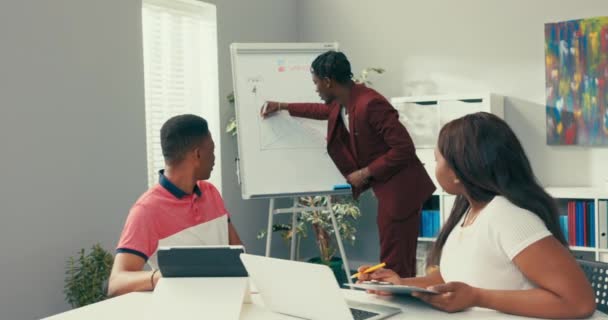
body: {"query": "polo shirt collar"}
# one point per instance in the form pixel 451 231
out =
pixel 173 189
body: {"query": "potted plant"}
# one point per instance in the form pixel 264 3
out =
pixel 87 275
pixel 362 77
pixel 346 212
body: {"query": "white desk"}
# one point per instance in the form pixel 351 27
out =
pixel 138 305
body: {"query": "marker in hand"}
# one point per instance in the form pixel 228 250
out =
pixel 264 107
pixel 368 270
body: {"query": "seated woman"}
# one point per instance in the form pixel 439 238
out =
pixel 501 247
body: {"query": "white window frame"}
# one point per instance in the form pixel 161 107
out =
pixel 206 17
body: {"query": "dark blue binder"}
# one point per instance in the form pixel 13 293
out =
pixel 580 225
pixel 591 223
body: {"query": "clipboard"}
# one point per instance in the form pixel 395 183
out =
pixel 389 287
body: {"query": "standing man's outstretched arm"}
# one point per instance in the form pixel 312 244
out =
pixel 317 111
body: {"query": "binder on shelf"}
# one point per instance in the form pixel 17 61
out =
pixel 424 224
pixel 602 213
pixel 591 223
pixel 429 223
pixel 585 226
pixel 436 215
pixel 580 230
pixel 564 223
pixel 571 224
pixel 425 218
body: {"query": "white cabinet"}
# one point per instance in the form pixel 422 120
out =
pixel 425 115
pixel 421 119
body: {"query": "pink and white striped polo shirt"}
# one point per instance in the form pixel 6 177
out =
pixel 166 216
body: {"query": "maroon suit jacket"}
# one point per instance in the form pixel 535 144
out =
pixel 377 140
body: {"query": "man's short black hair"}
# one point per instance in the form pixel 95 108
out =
pixel 333 65
pixel 181 134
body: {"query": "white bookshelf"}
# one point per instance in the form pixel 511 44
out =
pixel 563 194
pixel 577 193
pixel 560 194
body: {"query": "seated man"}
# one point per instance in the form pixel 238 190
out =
pixel 182 209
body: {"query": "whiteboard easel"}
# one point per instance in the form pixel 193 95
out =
pixel 281 72
pixel 295 210
pixel 270 150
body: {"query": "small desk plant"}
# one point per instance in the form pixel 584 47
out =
pixel 86 276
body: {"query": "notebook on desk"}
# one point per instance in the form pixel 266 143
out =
pixel 306 290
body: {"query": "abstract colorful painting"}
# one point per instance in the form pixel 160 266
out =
pixel 576 70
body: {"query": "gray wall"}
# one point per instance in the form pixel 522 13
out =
pixel 72 133
pixel 437 46
pixel 72 138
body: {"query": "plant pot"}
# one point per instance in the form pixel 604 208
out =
pixel 336 266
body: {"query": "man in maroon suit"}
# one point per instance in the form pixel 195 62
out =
pixel 371 148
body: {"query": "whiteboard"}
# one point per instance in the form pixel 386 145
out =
pixel 281 155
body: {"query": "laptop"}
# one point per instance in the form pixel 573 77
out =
pixel 306 290
pixel 201 261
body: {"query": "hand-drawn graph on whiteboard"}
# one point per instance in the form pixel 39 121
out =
pixel 284 132
pixel 281 131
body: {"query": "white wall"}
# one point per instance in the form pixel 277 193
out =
pixel 437 46
pixel 71 139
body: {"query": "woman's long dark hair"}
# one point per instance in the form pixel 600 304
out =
pixel 489 160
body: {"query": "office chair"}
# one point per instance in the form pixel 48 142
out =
pixel 597 274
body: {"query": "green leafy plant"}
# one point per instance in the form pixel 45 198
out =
pixel 363 76
pixel 345 210
pixel 231 126
pixel 86 275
